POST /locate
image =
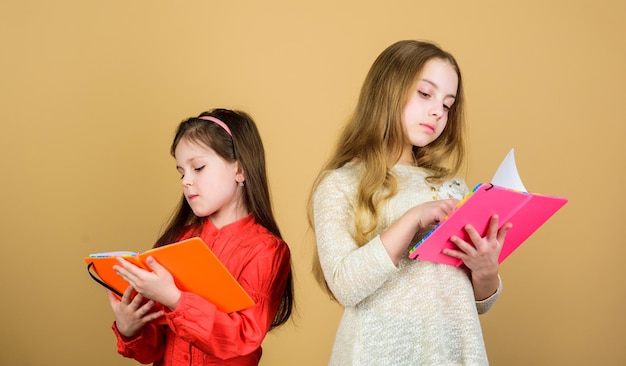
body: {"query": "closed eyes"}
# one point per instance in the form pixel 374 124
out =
pixel 195 170
pixel 426 95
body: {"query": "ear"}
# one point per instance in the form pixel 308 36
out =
pixel 240 176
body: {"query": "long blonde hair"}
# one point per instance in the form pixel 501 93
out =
pixel 373 135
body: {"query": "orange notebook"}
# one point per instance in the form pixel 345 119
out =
pixel 192 264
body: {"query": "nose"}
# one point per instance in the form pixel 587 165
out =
pixel 187 181
pixel 436 110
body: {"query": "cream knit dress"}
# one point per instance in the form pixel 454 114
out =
pixel 418 313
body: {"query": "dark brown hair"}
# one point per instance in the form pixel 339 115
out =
pixel 244 146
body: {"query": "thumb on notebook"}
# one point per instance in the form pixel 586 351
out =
pixel 157 268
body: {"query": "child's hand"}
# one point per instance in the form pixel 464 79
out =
pixel 481 256
pixel 130 314
pixel 157 285
pixel 430 213
pixel 403 230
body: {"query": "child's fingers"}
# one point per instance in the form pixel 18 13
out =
pixel 127 295
pixel 127 268
pixel 137 300
pixel 156 267
pixel 474 236
pixel 124 263
pixel 503 231
pixel 145 309
pixel 112 298
pixel 449 205
pixel 465 248
pixel 493 227
pixel 153 316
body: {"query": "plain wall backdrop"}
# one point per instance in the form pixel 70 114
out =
pixel 91 93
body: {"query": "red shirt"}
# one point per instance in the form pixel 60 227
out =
pixel 196 332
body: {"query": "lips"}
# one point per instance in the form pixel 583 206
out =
pixel 428 127
pixel 191 197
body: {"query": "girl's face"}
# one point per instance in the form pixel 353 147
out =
pixel 210 183
pixel 426 112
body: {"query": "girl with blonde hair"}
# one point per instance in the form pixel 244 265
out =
pixel 391 177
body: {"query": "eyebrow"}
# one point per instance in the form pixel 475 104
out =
pixel 437 87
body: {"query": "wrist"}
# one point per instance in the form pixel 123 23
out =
pixel 174 299
pixel 126 335
pixel 486 289
pixel 485 276
pixel 418 219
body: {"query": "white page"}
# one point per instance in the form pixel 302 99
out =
pixel 113 254
pixel 507 175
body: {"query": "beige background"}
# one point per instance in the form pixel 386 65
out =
pixel 91 92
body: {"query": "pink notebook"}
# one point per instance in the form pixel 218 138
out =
pixel 527 212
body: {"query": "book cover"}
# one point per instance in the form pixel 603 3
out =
pixel 193 265
pixel 505 196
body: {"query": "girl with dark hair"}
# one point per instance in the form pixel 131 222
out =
pixel 226 202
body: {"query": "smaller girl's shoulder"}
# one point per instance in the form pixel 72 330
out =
pixel 261 232
pixel 262 240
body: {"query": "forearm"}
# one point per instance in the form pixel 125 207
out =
pixel 354 275
pixel 398 236
pixel 352 271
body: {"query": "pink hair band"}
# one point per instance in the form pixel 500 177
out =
pixel 222 124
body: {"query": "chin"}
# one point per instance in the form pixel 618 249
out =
pixel 426 142
pixel 201 213
pixel 422 144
